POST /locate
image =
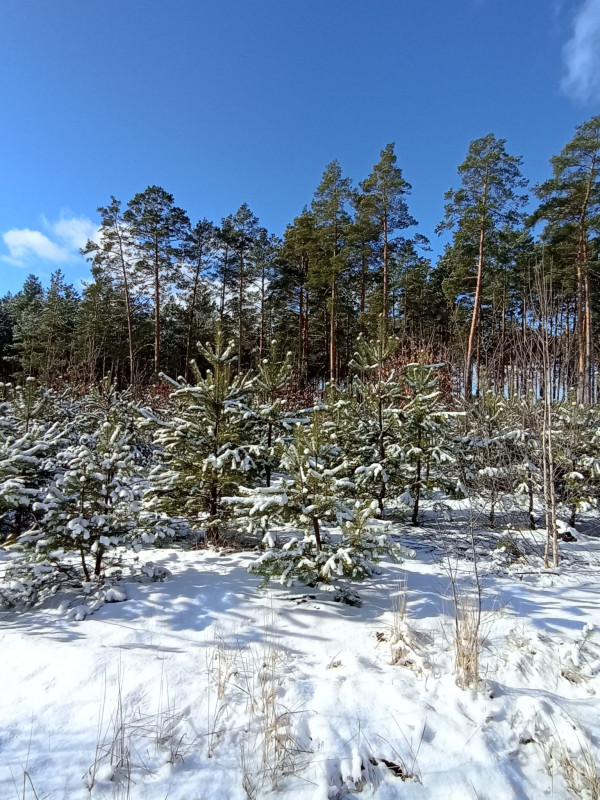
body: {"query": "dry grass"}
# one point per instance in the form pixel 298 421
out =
pixel 467 641
pixel 127 737
pixel 26 790
pixel 273 749
pixel 409 647
pixel 580 770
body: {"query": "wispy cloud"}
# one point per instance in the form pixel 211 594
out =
pixel 582 54
pixel 61 244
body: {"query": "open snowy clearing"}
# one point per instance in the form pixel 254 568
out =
pixel 204 686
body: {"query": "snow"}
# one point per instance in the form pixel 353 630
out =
pixel 217 689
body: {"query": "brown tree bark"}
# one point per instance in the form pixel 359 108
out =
pixel 332 351
pixel 477 302
pixel 156 312
pixel 240 306
pixel 386 278
pixel 128 310
pixel 188 348
pixel 584 326
pixel 261 339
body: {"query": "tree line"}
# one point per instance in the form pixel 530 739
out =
pixel 514 284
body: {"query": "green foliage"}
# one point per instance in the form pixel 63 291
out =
pixel 203 442
pixel 95 504
pixel 426 433
pixel 577 457
pixel 314 497
pixel 570 200
pixel 28 445
pixel 274 374
pixel 375 416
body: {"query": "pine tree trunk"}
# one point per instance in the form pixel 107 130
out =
pixel 212 530
pixel 315 523
pixel 477 302
pixel 86 571
pixel 332 318
pixel 589 366
pixel 305 348
pixel 301 338
pixel 585 365
pixel 222 303
pixel 261 341
pixel 530 509
pixel 188 349
pixel 332 350
pixel 385 270
pixel 156 313
pixel 128 311
pixel 240 301
pixel 382 488
pixel 580 326
pixel 269 444
pixel 98 561
pixel 363 291
pixel 415 511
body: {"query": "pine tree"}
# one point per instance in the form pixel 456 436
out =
pixel 332 219
pixel 202 442
pixel 55 329
pixel 570 205
pixel 364 251
pixel 95 503
pixel 198 251
pixel 384 202
pixel 114 257
pixel 159 229
pixel 300 252
pixel 28 443
pixel 486 204
pixel 44 329
pixel 267 257
pixel 6 337
pixel 25 309
pixel 426 425
pixel 376 414
pixel 100 313
pixel 272 379
pixel 522 418
pixel 315 495
pixel 577 457
pixel 490 452
pixel 417 303
pixel 242 233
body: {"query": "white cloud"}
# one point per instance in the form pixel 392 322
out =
pixel 76 231
pixel 24 244
pixel 582 54
pixel 67 236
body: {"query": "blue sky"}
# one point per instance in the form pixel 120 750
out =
pixel 229 101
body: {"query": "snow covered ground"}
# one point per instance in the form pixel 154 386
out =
pixel 204 686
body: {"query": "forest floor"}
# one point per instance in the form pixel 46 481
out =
pixel 205 686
